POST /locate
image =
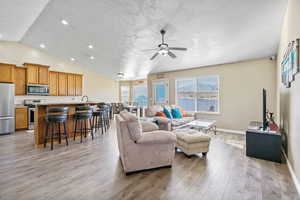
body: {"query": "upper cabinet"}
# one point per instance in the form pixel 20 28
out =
pixel 37 74
pixel 7 72
pixel 71 84
pixel 78 85
pixel 20 81
pixel 62 84
pixel 53 83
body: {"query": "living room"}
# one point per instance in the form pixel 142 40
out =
pixel 149 99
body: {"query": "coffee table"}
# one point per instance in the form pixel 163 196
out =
pixel 203 124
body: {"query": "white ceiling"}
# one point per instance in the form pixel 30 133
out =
pixel 214 32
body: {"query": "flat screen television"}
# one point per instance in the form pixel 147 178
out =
pixel 265 121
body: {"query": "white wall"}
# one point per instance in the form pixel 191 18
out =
pixel 241 87
pixel 96 86
pixel 289 98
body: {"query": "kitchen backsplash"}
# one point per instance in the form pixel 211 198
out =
pixel 48 99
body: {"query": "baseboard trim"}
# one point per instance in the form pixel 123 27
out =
pixel 294 177
pixel 231 131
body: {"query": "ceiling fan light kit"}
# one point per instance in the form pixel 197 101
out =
pixel 164 49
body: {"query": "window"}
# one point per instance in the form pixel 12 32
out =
pixel 140 95
pixel 161 91
pixel 124 94
pixel 198 94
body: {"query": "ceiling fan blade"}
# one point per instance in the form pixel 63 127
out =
pixel 171 54
pixel 178 48
pixel 154 56
pixel 145 50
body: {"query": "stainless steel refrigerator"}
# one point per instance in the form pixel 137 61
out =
pixel 7 108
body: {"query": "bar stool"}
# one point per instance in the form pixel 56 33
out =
pixel 83 115
pixel 54 118
pixel 98 120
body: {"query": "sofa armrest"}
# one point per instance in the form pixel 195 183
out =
pixel 149 126
pixel 163 123
pixel 157 137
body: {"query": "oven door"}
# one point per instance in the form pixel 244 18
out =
pixel 31 118
pixel 37 90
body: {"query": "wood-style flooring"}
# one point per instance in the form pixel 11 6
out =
pixel 92 170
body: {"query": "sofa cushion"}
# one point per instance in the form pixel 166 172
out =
pixel 135 130
pixel 152 110
pixel 176 113
pixel 148 126
pixel 168 113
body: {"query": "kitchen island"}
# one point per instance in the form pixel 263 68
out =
pixel 40 121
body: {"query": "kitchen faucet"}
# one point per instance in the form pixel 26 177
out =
pixel 85 96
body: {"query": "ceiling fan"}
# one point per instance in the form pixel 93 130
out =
pixel 164 49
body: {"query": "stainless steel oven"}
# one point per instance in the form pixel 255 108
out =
pixel 33 89
pixel 31 118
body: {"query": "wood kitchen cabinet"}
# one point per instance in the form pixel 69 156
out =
pixel 53 83
pixel 21 118
pixel 37 74
pixel 20 81
pixel 71 84
pixel 62 84
pixel 78 85
pixel 7 72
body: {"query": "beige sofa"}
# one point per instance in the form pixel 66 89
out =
pixel 139 150
pixel 165 123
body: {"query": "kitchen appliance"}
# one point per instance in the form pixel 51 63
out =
pixel 34 89
pixel 31 104
pixel 7 108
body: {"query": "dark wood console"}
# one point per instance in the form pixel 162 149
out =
pixel 263 144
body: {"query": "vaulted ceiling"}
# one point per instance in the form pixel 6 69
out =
pixel 215 32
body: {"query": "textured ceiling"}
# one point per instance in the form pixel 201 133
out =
pixel 214 32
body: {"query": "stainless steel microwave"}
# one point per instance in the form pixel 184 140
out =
pixel 34 89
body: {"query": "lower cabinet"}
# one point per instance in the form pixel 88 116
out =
pixel 21 118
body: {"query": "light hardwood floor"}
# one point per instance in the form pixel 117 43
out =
pixel 92 170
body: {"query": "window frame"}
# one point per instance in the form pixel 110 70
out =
pixel 121 96
pixel 133 92
pixel 194 78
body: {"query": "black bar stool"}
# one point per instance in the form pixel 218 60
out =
pixel 83 116
pixel 98 120
pixel 54 118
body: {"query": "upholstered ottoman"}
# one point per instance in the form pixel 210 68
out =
pixel 192 141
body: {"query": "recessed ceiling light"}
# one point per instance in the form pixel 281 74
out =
pixel 42 46
pixel 90 46
pixel 72 59
pixel 92 57
pixel 64 22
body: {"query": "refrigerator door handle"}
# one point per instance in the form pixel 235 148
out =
pixel 4 118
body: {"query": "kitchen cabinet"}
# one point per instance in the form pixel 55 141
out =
pixel 7 72
pixel 37 74
pixel 78 85
pixel 20 81
pixel 43 75
pixel 71 84
pixel 62 84
pixel 53 83
pixel 21 118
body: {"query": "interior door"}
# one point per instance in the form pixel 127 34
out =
pixel 160 92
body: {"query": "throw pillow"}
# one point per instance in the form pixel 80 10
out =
pixel 161 114
pixel 183 112
pixel 176 113
pixel 167 113
pixel 135 130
